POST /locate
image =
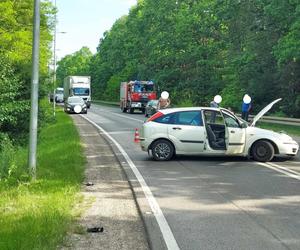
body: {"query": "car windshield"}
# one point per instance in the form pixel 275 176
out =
pixel 74 99
pixel 59 91
pixel 81 91
pixel 143 88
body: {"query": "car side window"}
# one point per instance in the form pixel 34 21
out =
pixel 166 119
pixel 230 121
pixel 192 118
pixel 213 117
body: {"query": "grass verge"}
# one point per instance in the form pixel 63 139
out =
pixel 289 129
pixel 37 215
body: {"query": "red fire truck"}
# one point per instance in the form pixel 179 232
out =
pixel 136 94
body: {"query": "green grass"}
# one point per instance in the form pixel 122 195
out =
pixel 290 129
pixel 37 215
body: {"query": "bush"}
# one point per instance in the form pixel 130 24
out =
pixel 14 107
pixel 12 161
pixel 8 164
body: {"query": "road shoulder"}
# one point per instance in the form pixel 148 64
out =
pixel 108 201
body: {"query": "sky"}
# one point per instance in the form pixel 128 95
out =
pixel 83 22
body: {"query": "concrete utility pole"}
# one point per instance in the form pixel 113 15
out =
pixel 54 60
pixel 34 91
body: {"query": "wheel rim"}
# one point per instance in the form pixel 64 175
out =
pixel 261 151
pixel 162 151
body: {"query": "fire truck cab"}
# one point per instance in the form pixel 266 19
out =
pixel 134 95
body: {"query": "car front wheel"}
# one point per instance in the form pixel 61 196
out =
pixel 263 151
pixel 162 150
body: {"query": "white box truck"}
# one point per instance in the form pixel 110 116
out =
pixel 78 86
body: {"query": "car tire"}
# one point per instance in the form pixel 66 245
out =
pixel 131 110
pixel 146 115
pixel 162 150
pixel 263 151
pixel 124 110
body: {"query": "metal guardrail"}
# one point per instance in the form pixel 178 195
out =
pixel 268 119
pixel 280 120
pixel 106 102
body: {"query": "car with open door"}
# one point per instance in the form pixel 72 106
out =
pixel 211 131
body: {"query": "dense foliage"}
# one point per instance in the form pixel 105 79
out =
pixel 77 64
pixel 197 49
pixel 16 23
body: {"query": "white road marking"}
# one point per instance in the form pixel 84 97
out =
pixel 283 170
pixel 120 132
pixel 160 218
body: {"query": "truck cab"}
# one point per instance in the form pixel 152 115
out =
pixel 134 95
pixel 78 86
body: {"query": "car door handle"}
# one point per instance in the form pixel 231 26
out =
pixel 232 131
pixel 177 128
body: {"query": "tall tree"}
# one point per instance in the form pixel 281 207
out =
pixel 77 63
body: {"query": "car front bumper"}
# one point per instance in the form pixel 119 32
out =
pixel 288 148
pixel 71 110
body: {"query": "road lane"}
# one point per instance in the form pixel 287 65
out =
pixel 214 203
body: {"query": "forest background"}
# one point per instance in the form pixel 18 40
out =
pixel 197 49
pixel 193 49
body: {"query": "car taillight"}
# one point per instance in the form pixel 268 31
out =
pixel 155 116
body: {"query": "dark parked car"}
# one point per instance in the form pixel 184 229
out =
pixel 151 108
pixel 75 104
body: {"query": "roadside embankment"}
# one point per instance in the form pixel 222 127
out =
pixel 108 204
pixel 37 215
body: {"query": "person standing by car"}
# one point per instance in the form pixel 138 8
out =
pixel 215 104
pixel 246 106
pixel 164 101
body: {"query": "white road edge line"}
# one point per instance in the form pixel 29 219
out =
pixel 160 218
pixel 280 169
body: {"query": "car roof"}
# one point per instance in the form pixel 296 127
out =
pixel 172 110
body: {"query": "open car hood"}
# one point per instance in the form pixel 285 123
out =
pixel 263 111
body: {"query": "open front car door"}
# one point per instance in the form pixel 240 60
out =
pixel 235 142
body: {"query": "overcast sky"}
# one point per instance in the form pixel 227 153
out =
pixel 85 21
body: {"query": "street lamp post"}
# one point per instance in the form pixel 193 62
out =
pixel 54 58
pixel 54 61
pixel 34 91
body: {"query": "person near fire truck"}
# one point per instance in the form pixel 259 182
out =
pixel 164 100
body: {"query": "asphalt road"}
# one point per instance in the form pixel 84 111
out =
pixel 214 203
